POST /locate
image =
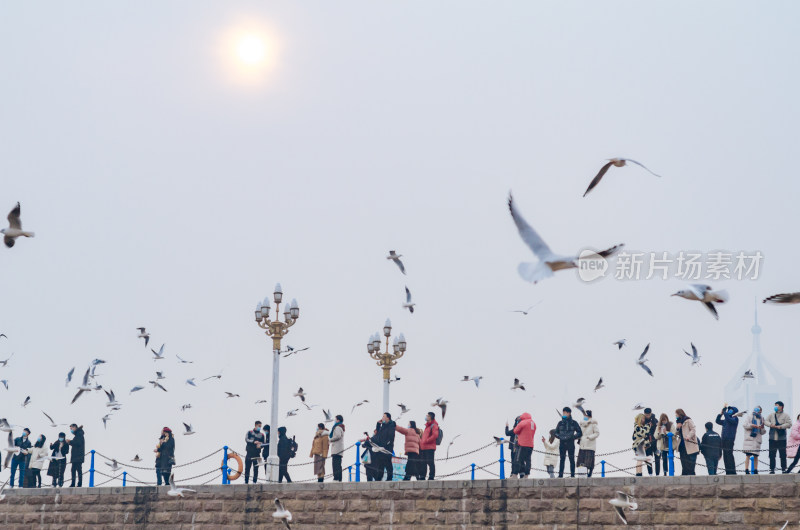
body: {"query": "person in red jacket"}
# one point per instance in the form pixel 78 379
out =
pixel 427 445
pixel 412 435
pixel 525 430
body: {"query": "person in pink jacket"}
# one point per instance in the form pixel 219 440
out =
pixel 412 435
pixel 427 445
pixel 525 431
pixel 792 445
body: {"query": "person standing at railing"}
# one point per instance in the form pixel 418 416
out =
pixel 525 431
pixel 165 455
pixel 384 440
pixel 778 422
pixel 640 442
pixel 253 440
pixel 753 425
pixel 711 447
pixel 286 450
pixel 319 450
pixel 19 461
pixel 513 448
pixel 411 448
pixel 662 442
pixel 567 432
pixel 550 460
pixel 77 446
pixel 38 455
pixel 688 448
pixel 651 424
pixel 730 423
pixel 337 447
pixel 792 445
pixel 58 465
pixel 588 443
pixel 427 445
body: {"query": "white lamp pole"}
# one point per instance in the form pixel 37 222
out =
pixel 387 359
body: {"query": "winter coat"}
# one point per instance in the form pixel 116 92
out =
pixel 265 447
pixel 59 449
pixel 166 452
pixel 77 446
pixel 662 440
pixel 25 445
pixel 639 437
pixel 776 419
pixel 525 430
pixel 711 446
pixel 651 425
pixel 688 435
pixel 551 456
pixel 385 436
pixel 793 441
pixel 251 449
pixel 752 443
pixel 321 443
pixel 37 457
pixel 568 430
pixel 590 433
pixel 284 447
pixel 412 439
pixel 337 440
pixel 429 435
pixel 729 423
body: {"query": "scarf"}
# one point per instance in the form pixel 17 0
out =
pixel 334 428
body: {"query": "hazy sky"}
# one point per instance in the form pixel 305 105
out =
pixel 170 187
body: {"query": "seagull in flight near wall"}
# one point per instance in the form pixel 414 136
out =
pixel 549 262
pixel 175 491
pixel 14 229
pixel 621 501
pixel 616 162
pixel 282 514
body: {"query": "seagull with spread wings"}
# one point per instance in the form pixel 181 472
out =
pixel 616 162
pixel 395 257
pixel 143 334
pixel 643 359
pixel 409 304
pixel 703 293
pixel 14 229
pixel 85 386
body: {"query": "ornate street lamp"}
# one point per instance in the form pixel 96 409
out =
pixel 387 359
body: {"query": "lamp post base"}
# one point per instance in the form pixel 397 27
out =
pixel 273 463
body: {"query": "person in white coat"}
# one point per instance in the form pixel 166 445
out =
pixel 38 454
pixel 753 426
pixel 337 447
pixel 588 443
pixel 551 456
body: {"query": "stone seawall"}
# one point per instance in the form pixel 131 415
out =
pixel 745 502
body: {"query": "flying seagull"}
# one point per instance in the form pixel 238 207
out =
pixel 518 385
pixel 641 455
pixel 105 419
pixel 599 385
pixel 112 400
pixel 69 376
pixel 282 514
pixel 291 350
pixel 394 379
pixel 53 424
pixel 183 361
pixel 186 407
pixel 136 389
pixel 358 405
pixel 642 360
pixel 620 343
pixel 113 465
pixel 260 401
pixel 403 408
pixel 156 384
pixel 190 381
pixel 231 395
pixel 616 162
pixel 500 441
pixel 579 405
pixel 4 363
pixel 292 412
pixel 621 501
pixel 639 406
pixel 188 427
pixel 748 375
pixel 5 426
pixel 783 298
pixel 409 304
pixel 328 416
pixel 11 450
pixel 704 293
pixel 300 394
pixel 526 311
pixel 85 387
pixel 175 491
pixel 548 261
pixel 396 258
pixel 160 376
pixel 136 459
pixel 217 377
pixel 476 379
pixel 96 362
pixel 159 355
pixel 14 229
pixel 5 383
pixel 26 402
pixel 143 334
pixel 694 355
pixel 442 404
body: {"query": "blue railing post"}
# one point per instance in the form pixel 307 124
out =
pixel 671 454
pixel 225 465
pixel 603 469
pixel 91 470
pixel 349 473
pixel 753 465
pixel 124 478
pixel 502 461
pixel 472 476
pixel 358 461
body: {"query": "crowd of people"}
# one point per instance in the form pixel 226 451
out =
pixel 27 463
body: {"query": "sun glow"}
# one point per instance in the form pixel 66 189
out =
pixel 251 50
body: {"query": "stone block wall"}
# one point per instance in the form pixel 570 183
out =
pixel 738 502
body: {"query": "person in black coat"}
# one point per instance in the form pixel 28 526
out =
pixel 57 467
pixel 370 469
pixel 20 460
pixel 567 431
pixel 77 446
pixel 286 450
pixel 384 439
pixel 165 456
pixel 711 447
pixel 253 441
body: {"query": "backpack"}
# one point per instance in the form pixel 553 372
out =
pixel 440 437
pixel 293 448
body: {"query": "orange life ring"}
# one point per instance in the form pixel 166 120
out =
pixel 238 473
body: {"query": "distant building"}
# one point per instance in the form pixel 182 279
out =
pixel 769 385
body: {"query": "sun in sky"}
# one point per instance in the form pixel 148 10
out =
pixel 251 49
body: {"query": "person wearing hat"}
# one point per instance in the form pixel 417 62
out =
pixel 165 456
pixel 19 460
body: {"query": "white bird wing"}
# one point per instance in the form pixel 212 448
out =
pixel 641 165
pixel 528 234
pixel 699 289
pixel 644 353
pixel 14 218
pixel 621 514
pixel 86 377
